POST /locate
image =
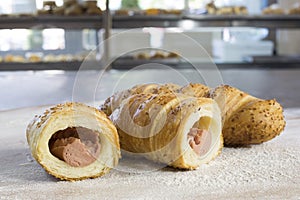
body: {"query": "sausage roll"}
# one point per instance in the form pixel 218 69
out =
pixel 175 129
pixel 73 141
pixel 246 119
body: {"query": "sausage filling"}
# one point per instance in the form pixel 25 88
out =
pixel 77 146
pixel 199 140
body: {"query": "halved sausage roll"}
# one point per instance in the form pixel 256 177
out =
pixel 175 129
pixel 73 141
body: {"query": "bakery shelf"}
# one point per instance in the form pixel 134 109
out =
pixel 272 22
pixel 125 64
pixel 266 21
pixel 138 21
pixel 51 21
pixel 72 65
pixel 256 62
pixel 290 60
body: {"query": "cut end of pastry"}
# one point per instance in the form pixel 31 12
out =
pixel 203 137
pixel 73 141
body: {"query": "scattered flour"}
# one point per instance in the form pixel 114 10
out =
pixel 266 171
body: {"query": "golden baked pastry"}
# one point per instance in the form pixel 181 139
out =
pixel 59 10
pixel 94 11
pixel 172 12
pixel 158 55
pixel 34 58
pixel 246 119
pixel 122 12
pixel 173 55
pixel 73 141
pixel 195 90
pixel 14 58
pixel 153 11
pixel 240 10
pixel 226 10
pixel 111 103
pixel 294 11
pixel 68 3
pixel 75 9
pixel 142 56
pixel 211 8
pixel 273 11
pixel 175 129
pixel 89 4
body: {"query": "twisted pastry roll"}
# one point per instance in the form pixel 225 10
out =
pixel 73 141
pixel 175 129
pixel 115 100
pixel 246 119
pixel 195 90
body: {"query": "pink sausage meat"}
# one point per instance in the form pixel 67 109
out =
pixel 199 140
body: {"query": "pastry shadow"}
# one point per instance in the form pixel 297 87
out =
pixel 138 165
pixel 18 166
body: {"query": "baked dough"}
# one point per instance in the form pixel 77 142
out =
pixel 162 126
pixel 195 90
pixel 246 119
pixel 60 118
pixel 115 100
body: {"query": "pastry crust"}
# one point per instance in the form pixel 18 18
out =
pixel 63 116
pixel 116 99
pixel 246 119
pixel 195 90
pixel 156 126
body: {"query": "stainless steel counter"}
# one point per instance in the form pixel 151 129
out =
pixel 30 88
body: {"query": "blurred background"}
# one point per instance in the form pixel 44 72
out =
pixel 252 43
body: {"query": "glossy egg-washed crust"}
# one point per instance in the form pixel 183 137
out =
pixel 58 115
pixel 246 119
pixel 168 112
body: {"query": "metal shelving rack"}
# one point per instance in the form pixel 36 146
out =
pixel 272 22
pixel 49 21
pixel 53 21
pixel 107 22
